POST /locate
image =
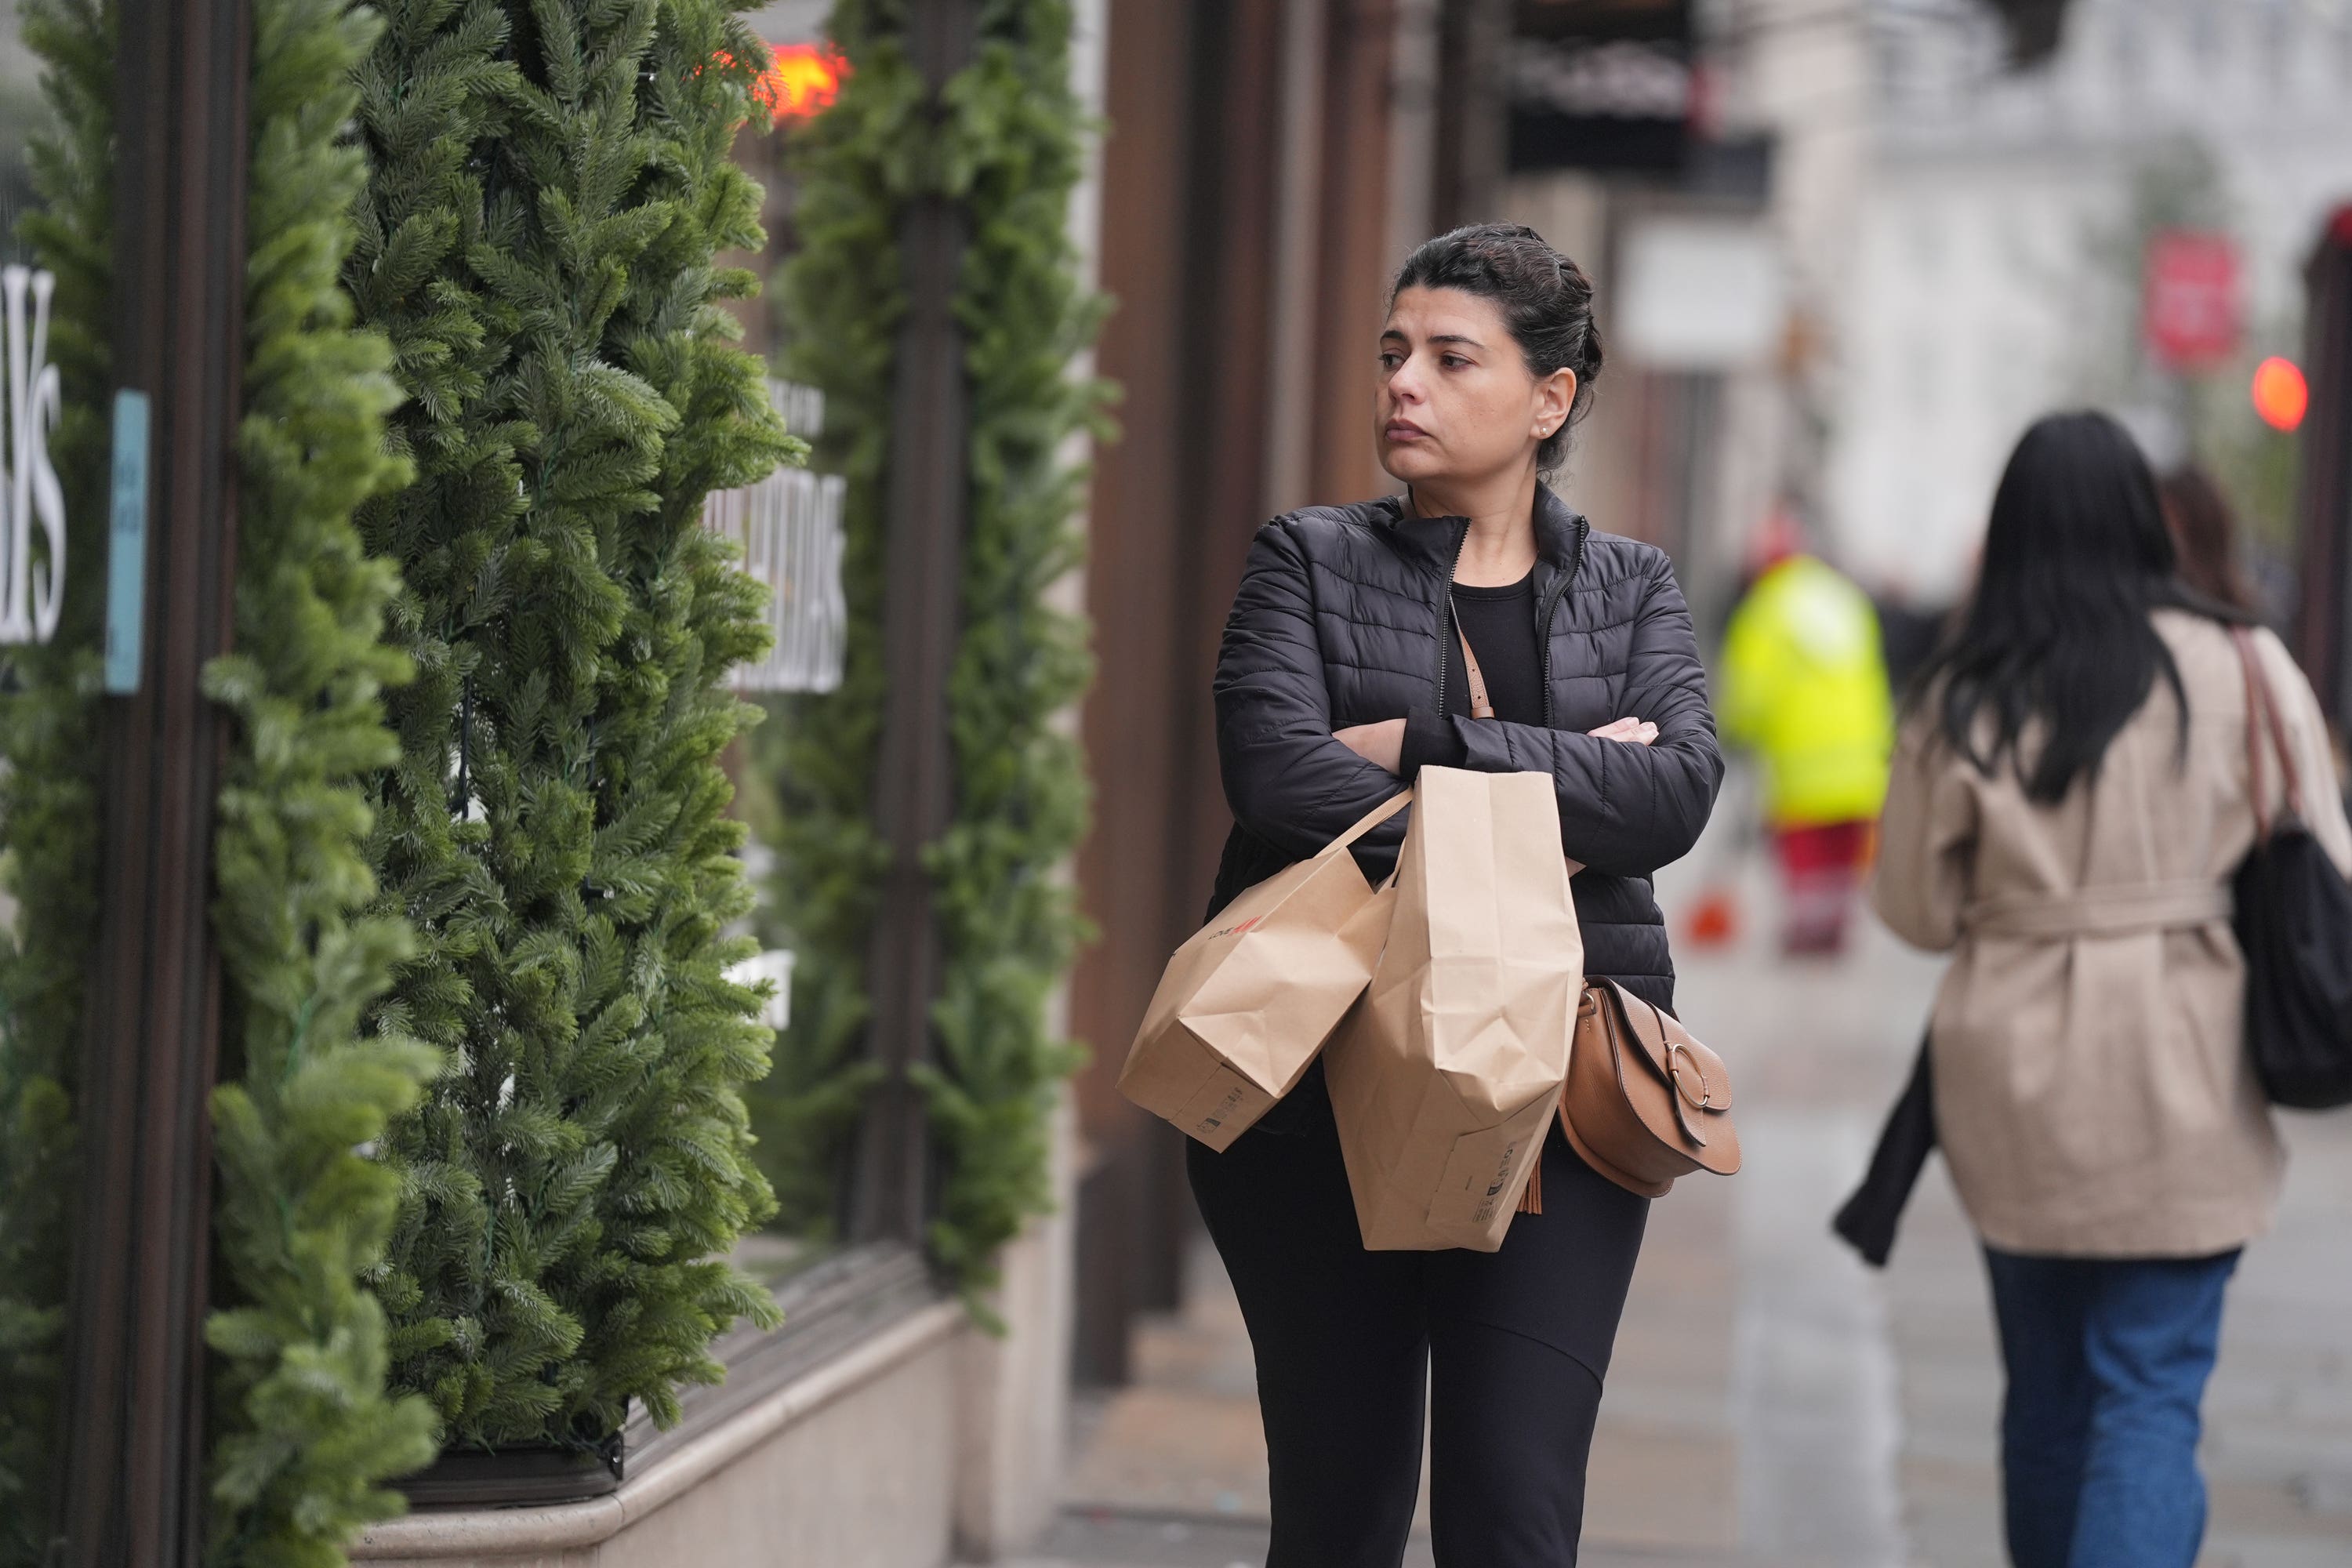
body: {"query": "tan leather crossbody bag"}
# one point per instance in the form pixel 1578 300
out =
pixel 1644 1101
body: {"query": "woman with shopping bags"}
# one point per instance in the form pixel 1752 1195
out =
pixel 2082 771
pixel 1343 673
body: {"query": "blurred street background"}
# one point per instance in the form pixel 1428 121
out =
pixel 1067 297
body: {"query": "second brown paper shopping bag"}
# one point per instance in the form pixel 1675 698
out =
pixel 1445 1076
pixel 1244 1007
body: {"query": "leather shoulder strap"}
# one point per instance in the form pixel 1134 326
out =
pixel 1480 708
pixel 2264 719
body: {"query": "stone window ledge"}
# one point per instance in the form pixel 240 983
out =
pixel 678 1468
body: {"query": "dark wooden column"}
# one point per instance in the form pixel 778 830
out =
pixel 923 519
pixel 1188 190
pixel 1135 754
pixel 135 1461
pixel 1472 117
pixel 1354 262
pixel 2324 502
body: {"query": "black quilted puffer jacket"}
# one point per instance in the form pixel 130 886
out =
pixel 1340 621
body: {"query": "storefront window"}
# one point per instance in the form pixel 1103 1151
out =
pixel 37 987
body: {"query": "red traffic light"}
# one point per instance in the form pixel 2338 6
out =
pixel 2280 394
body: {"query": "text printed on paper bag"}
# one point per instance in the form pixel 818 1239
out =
pixel 1225 1107
pixel 1501 1179
pixel 1477 1185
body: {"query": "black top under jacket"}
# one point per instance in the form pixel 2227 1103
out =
pixel 1501 625
pixel 1341 619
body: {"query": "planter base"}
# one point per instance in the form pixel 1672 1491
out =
pixel 520 1477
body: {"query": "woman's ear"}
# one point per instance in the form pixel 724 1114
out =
pixel 1554 396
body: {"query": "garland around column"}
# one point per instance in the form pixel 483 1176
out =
pixel 1007 142
pixel 859 162
pixel 304 1432
pixel 549 187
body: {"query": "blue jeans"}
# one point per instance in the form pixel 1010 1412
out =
pixel 2107 1359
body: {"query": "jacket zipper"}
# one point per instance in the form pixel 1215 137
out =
pixel 1543 623
pixel 1445 614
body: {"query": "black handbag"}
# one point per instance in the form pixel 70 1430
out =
pixel 2294 922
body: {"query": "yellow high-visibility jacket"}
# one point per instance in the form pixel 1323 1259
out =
pixel 1804 686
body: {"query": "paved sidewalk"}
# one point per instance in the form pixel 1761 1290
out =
pixel 1774 1403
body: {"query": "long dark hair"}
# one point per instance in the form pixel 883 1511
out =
pixel 2075 558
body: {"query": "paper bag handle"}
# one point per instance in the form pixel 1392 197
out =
pixel 1372 819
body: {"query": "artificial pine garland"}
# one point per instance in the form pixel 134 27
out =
pixel 438 85
pixel 684 1185
pixel 1009 921
pixel 48 789
pixel 549 187
pixel 860 161
pixel 1008 147
pixel 304 1431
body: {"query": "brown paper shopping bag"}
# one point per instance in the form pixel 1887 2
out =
pixel 1445 1076
pixel 1243 1006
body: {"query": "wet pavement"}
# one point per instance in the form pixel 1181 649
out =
pixel 1774 1403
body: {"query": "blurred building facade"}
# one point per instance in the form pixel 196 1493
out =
pixel 1997 228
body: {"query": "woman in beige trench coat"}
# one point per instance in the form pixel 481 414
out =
pixel 2071 796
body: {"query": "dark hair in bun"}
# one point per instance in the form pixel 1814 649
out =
pixel 1545 298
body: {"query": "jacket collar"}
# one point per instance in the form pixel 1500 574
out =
pixel 1561 534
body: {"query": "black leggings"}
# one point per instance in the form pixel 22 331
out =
pixel 1513 1345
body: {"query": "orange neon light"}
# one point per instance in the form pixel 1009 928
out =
pixel 802 80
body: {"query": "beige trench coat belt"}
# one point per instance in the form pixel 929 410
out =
pixel 2118 910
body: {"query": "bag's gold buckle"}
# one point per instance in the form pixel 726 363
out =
pixel 1706 1101
pixel 1677 1052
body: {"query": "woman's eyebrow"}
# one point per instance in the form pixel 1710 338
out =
pixel 1463 337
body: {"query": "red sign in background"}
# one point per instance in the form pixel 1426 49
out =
pixel 2191 312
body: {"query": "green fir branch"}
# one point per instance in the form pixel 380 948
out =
pixel 1008 915
pixel 685 1183
pixel 550 184
pixel 304 1431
